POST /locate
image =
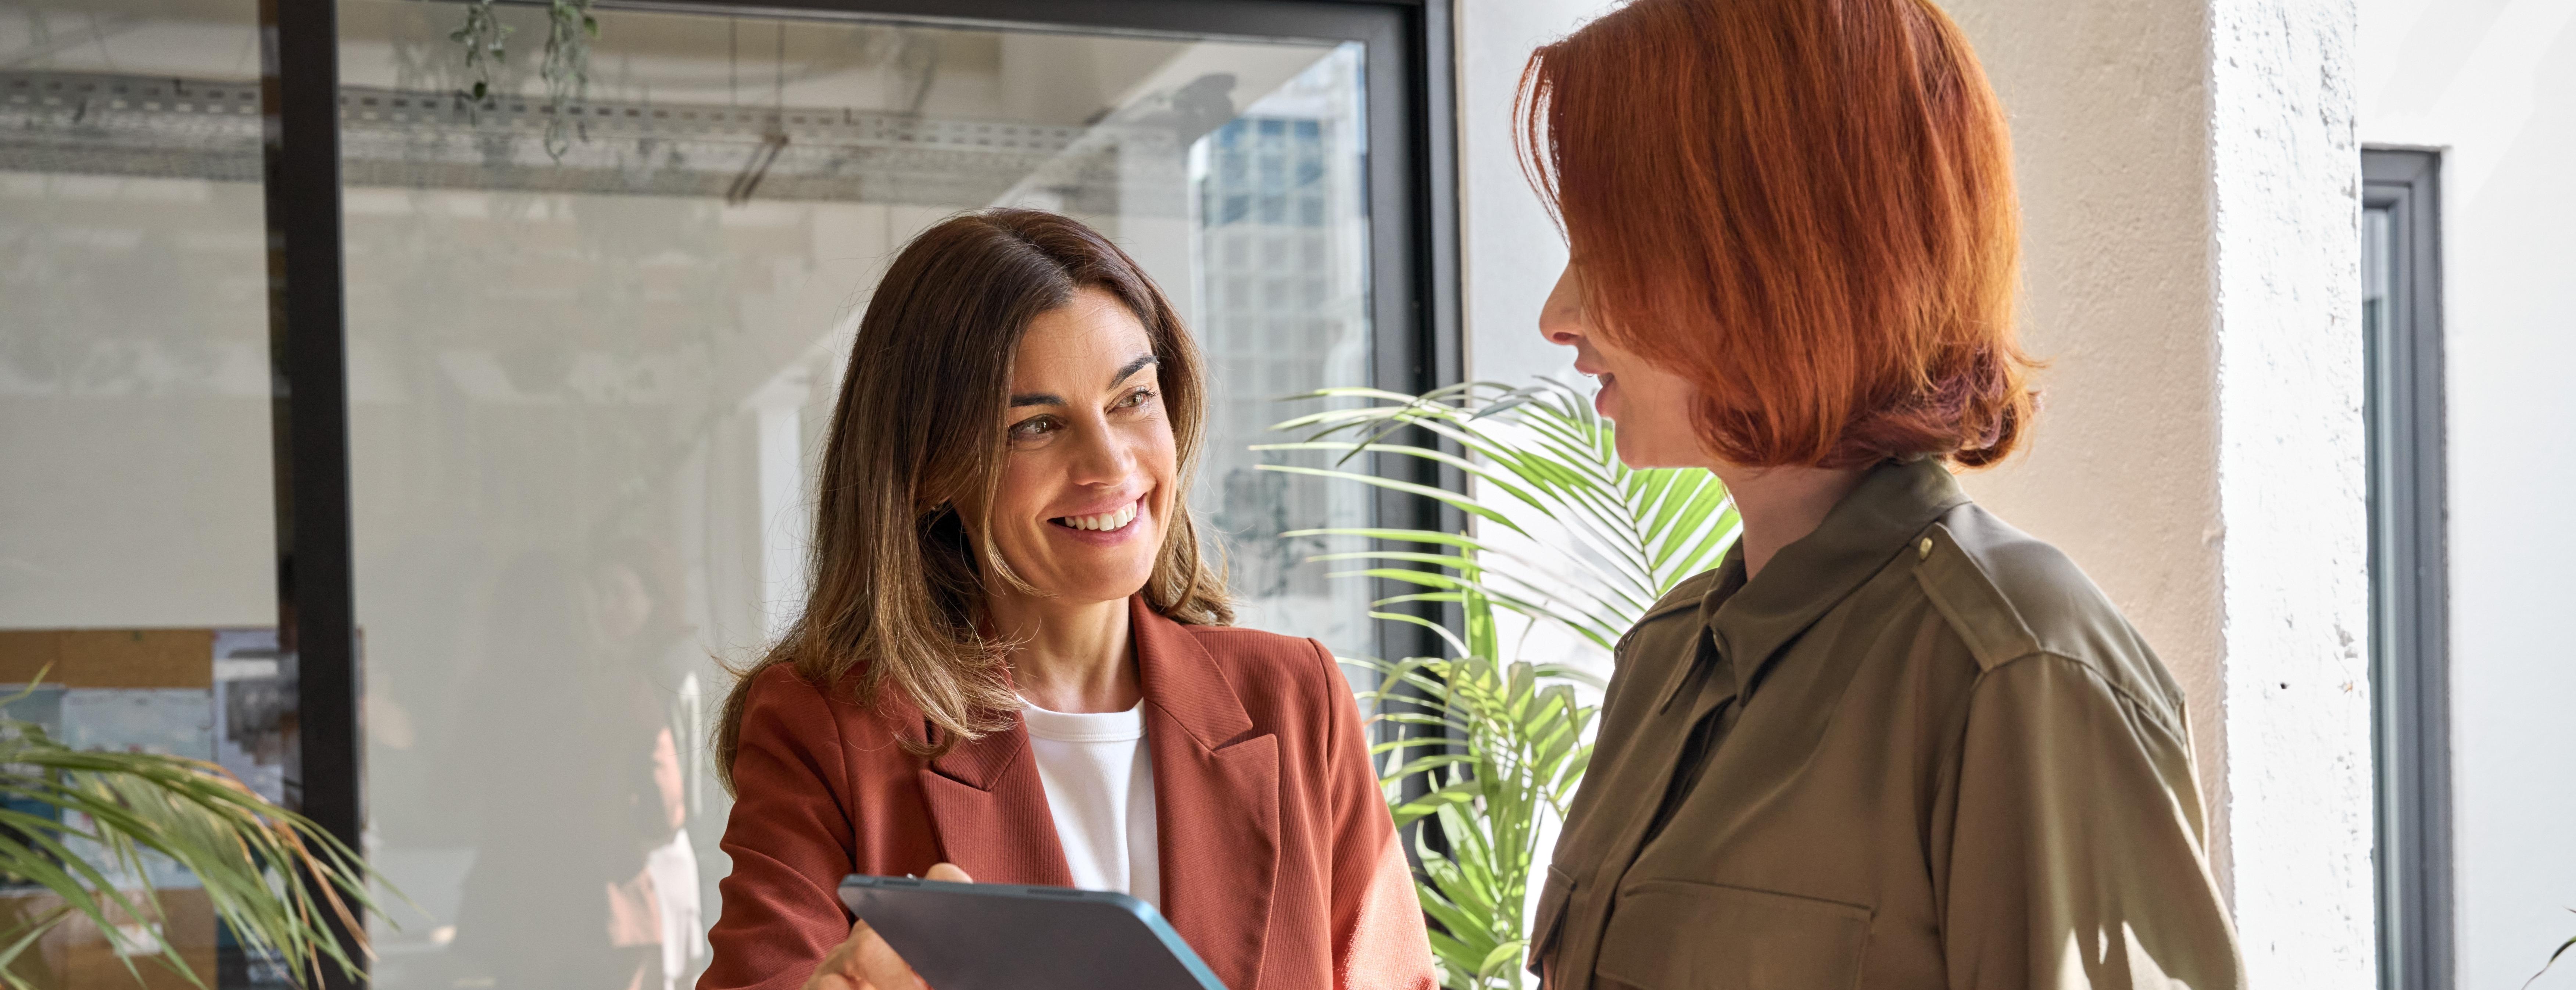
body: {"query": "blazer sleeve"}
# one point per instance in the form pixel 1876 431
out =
pixel 1378 938
pixel 790 840
pixel 2075 857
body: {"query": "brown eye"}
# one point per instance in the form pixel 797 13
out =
pixel 1136 399
pixel 1033 428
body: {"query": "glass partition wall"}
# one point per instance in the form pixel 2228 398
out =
pixel 592 355
pixel 594 341
pixel 588 331
pixel 138 579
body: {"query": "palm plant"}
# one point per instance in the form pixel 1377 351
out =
pixel 78 824
pixel 1561 534
pixel 2553 959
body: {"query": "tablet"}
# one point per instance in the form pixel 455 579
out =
pixel 998 936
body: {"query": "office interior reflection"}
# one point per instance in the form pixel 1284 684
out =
pixel 593 347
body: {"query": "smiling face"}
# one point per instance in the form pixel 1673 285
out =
pixel 1086 488
pixel 1651 405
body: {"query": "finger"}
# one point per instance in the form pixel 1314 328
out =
pixel 950 873
pixel 879 964
pixel 838 969
pixel 836 973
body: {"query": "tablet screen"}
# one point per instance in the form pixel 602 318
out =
pixel 989 936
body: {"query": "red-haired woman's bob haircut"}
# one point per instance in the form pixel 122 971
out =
pixel 1805 206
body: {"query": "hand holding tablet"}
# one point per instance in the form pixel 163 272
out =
pixel 865 962
pixel 949 933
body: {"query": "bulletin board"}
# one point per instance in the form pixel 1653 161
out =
pixel 209 694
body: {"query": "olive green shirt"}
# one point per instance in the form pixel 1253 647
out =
pixel 1920 750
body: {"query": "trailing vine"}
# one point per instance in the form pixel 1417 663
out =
pixel 486 42
pixel 570 30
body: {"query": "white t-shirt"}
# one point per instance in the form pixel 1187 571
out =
pixel 1100 787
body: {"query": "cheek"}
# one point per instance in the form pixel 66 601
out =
pixel 1018 486
pixel 1019 492
pixel 1669 430
pixel 1160 463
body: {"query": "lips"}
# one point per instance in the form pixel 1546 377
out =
pixel 1104 522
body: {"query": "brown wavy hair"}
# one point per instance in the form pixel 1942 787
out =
pixel 897 585
pixel 1804 206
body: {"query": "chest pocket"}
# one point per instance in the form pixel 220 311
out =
pixel 1674 935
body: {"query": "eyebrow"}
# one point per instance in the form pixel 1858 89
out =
pixel 1134 365
pixel 1139 363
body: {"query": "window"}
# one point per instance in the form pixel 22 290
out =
pixel 557 375
pixel 138 539
pixel 2401 320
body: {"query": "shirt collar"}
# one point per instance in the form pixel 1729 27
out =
pixel 1751 620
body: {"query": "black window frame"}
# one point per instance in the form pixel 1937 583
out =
pixel 1413 269
pixel 2410 665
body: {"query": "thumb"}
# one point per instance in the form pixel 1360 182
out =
pixel 950 873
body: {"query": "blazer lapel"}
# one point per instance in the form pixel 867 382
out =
pixel 1216 795
pixel 990 811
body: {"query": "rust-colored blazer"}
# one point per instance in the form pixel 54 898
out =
pixel 1279 863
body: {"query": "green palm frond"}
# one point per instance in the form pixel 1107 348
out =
pixel 2563 947
pixel 1542 462
pixel 109 811
pixel 1498 746
pixel 1511 753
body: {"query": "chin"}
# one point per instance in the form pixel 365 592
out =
pixel 1640 454
pixel 1095 592
pixel 1629 454
pixel 1106 581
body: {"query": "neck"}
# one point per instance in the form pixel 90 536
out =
pixel 1070 656
pixel 1781 505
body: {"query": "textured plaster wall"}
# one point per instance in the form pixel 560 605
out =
pixel 2109 106
pixel 2286 175
pixel 2188 187
pixel 2492 85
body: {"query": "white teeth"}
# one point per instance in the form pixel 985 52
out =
pixel 1106 521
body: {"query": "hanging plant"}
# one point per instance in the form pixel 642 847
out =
pixel 570 30
pixel 485 39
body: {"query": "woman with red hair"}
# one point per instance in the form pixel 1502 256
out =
pixel 1890 741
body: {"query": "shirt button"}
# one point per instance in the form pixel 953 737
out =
pixel 1923 550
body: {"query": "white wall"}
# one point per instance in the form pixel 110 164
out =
pixel 2285 173
pixel 2191 278
pixel 1510 249
pixel 2492 84
pixel 2109 106
pixel 2110 111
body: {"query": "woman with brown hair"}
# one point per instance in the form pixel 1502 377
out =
pixel 1015 666
pixel 1890 741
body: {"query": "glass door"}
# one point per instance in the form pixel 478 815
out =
pixel 595 326
pixel 138 546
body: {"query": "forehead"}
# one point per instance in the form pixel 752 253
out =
pixel 1078 340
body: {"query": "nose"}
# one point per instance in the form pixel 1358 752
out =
pixel 1103 456
pixel 1561 318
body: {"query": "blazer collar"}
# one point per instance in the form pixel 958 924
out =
pixel 1183 680
pixel 989 811
pixel 1216 803
pixel 1216 800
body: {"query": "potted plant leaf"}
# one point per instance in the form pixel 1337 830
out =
pixel 79 826
pixel 1561 534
